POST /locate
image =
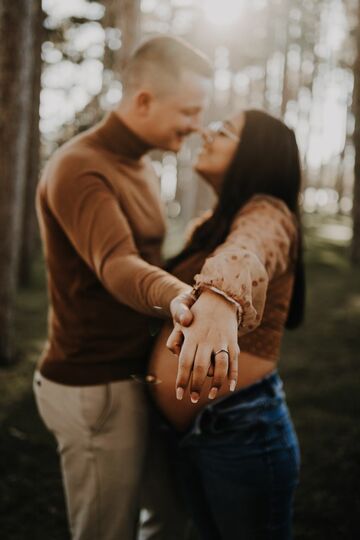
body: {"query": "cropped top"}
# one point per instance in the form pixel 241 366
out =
pixel 253 267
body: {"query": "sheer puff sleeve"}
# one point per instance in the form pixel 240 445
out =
pixel 258 248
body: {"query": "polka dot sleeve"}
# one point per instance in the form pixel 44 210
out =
pixel 258 248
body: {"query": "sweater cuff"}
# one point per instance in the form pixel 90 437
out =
pixel 175 289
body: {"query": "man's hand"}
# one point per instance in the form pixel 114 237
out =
pixel 208 347
pixel 180 308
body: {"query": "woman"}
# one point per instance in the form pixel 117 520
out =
pixel 239 453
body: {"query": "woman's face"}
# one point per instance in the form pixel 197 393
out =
pixel 221 140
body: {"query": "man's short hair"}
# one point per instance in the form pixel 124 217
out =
pixel 165 56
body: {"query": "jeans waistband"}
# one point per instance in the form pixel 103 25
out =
pixel 270 386
pixel 262 395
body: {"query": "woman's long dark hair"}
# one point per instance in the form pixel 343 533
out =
pixel 266 162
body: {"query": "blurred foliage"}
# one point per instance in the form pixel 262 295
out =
pixel 294 58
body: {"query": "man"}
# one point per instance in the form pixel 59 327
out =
pixel 102 226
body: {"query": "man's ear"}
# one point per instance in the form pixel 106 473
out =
pixel 143 100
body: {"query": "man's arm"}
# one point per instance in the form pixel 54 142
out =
pixel 87 210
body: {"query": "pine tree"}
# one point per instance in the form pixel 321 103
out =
pixel 16 47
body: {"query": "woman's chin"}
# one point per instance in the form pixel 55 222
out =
pixel 206 177
pixel 200 167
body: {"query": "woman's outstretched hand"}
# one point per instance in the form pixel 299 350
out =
pixel 209 347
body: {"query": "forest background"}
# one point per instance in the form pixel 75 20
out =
pixel 60 72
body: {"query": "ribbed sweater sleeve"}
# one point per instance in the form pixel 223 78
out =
pixel 87 210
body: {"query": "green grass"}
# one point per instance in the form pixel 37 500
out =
pixel 31 498
pixel 31 318
pixel 319 366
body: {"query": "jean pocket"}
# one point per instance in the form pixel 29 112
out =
pixel 222 429
pixel 96 404
pixel 280 434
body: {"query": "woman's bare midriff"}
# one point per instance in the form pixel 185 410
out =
pixel 163 365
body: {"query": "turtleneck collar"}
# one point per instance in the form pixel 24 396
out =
pixel 120 139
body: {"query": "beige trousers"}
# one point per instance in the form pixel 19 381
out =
pixel 102 433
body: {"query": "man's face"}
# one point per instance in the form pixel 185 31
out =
pixel 176 113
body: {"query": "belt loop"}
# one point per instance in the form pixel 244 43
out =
pixel 272 383
pixel 196 430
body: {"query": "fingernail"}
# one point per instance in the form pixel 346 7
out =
pixel 194 397
pixel 179 393
pixel 232 386
pixel 213 393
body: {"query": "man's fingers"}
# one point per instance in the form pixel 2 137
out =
pixel 220 372
pixel 200 370
pixel 183 315
pixel 175 340
pixel 180 309
pixel 186 361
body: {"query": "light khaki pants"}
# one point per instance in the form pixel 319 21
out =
pixel 102 435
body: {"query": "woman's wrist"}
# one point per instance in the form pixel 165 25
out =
pixel 218 300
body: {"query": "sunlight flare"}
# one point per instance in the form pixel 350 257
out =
pixel 222 12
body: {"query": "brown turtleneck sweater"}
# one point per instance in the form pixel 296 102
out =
pixel 102 227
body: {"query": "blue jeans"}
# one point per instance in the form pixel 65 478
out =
pixel 239 465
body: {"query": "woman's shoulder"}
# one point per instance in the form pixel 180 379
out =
pixel 261 201
pixel 266 213
pixel 262 206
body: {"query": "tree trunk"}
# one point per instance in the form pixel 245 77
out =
pixel 125 16
pixel 286 42
pixel 16 46
pixel 29 236
pixel 355 247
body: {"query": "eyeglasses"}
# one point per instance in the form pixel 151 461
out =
pixel 220 127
